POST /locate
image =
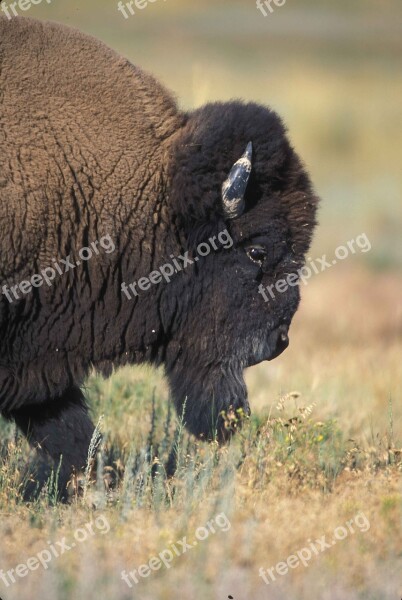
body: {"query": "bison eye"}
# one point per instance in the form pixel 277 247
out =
pixel 257 254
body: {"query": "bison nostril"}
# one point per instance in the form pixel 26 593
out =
pixel 282 341
pixel 283 334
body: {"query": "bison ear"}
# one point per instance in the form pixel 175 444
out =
pixel 234 188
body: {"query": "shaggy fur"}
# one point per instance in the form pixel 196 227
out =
pixel 93 146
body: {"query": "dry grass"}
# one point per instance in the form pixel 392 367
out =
pixel 323 444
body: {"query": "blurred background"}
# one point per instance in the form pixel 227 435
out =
pixel 333 71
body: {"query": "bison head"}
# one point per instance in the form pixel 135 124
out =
pixel 232 170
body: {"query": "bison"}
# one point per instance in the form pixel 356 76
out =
pixel 97 156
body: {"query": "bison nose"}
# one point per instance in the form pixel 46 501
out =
pixel 282 341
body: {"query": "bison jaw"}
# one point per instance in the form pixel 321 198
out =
pixel 208 394
pixel 205 396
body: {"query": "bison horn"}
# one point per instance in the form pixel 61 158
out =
pixel 234 188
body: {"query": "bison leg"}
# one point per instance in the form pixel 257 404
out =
pixel 58 429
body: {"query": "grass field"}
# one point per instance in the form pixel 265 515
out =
pixel 324 444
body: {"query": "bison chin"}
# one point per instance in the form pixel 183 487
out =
pixel 212 400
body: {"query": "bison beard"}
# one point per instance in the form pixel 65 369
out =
pixel 127 163
pixel 213 392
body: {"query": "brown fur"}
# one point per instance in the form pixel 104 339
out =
pixel 93 146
